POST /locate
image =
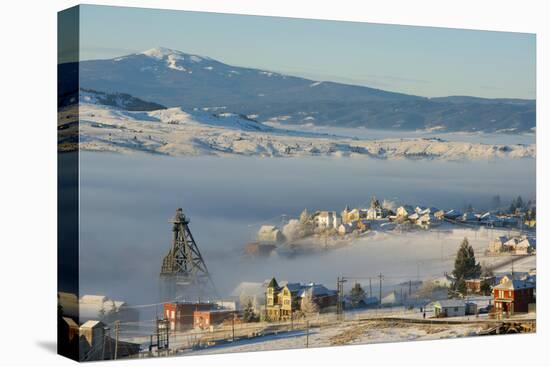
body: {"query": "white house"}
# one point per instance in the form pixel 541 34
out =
pixel 414 217
pixel 404 211
pixel 376 213
pixel 428 219
pixel 346 228
pixel 524 246
pixel 327 220
pixel 450 308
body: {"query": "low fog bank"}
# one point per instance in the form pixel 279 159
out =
pixel 376 134
pixel 127 201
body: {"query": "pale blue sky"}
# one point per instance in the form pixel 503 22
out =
pixel 417 60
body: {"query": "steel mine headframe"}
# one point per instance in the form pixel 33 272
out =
pixel 184 262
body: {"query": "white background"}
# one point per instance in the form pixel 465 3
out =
pixel 28 179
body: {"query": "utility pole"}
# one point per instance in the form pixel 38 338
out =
pixel 104 341
pixel 307 334
pixel 410 287
pixel 380 277
pixel 265 307
pixel 370 288
pixel 340 296
pixel 117 332
pixel 233 328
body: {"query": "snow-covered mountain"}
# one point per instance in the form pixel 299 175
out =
pixel 176 79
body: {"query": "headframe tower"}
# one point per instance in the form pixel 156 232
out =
pixel 184 271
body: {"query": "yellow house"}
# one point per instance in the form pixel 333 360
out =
pixel 282 301
pixel 353 215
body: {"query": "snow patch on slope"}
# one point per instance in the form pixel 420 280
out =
pixel 174 131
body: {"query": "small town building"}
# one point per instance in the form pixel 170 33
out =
pixel 513 295
pixel 282 300
pixel 404 211
pixel 426 210
pixel 95 344
pixel 522 245
pixel 105 309
pixel 490 220
pixel 450 308
pixel 257 249
pixel 497 245
pixel 428 220
pixel 70 329
pixel 320 294
pixel 525 246
pixel 353 215
pixel 362 225
pixel 270 234
pixel 206 319
pixel 376 211
pixel 453 214
pixel 474 285
pixel 327 220
pixel 180 314
pixel 469 217
pixel 347 228
pixel 91 334
pixel 414 217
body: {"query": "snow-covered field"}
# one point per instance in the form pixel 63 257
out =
pixel 360 332
pixel 173 131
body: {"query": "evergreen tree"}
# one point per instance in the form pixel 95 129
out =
pixel 496 202
pixel 465 266
pixel 485 287
pixel 248 312
pixel 519 203
pixel 356 295
pixel 513 206
pixel 460 286
pixel 486 281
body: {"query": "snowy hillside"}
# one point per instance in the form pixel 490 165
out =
pixel 178 79
pixel 174 131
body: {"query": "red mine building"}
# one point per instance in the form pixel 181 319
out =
pixel 513 295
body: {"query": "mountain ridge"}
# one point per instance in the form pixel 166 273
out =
pixel 174 78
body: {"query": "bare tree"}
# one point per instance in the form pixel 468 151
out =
pixel 309 306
